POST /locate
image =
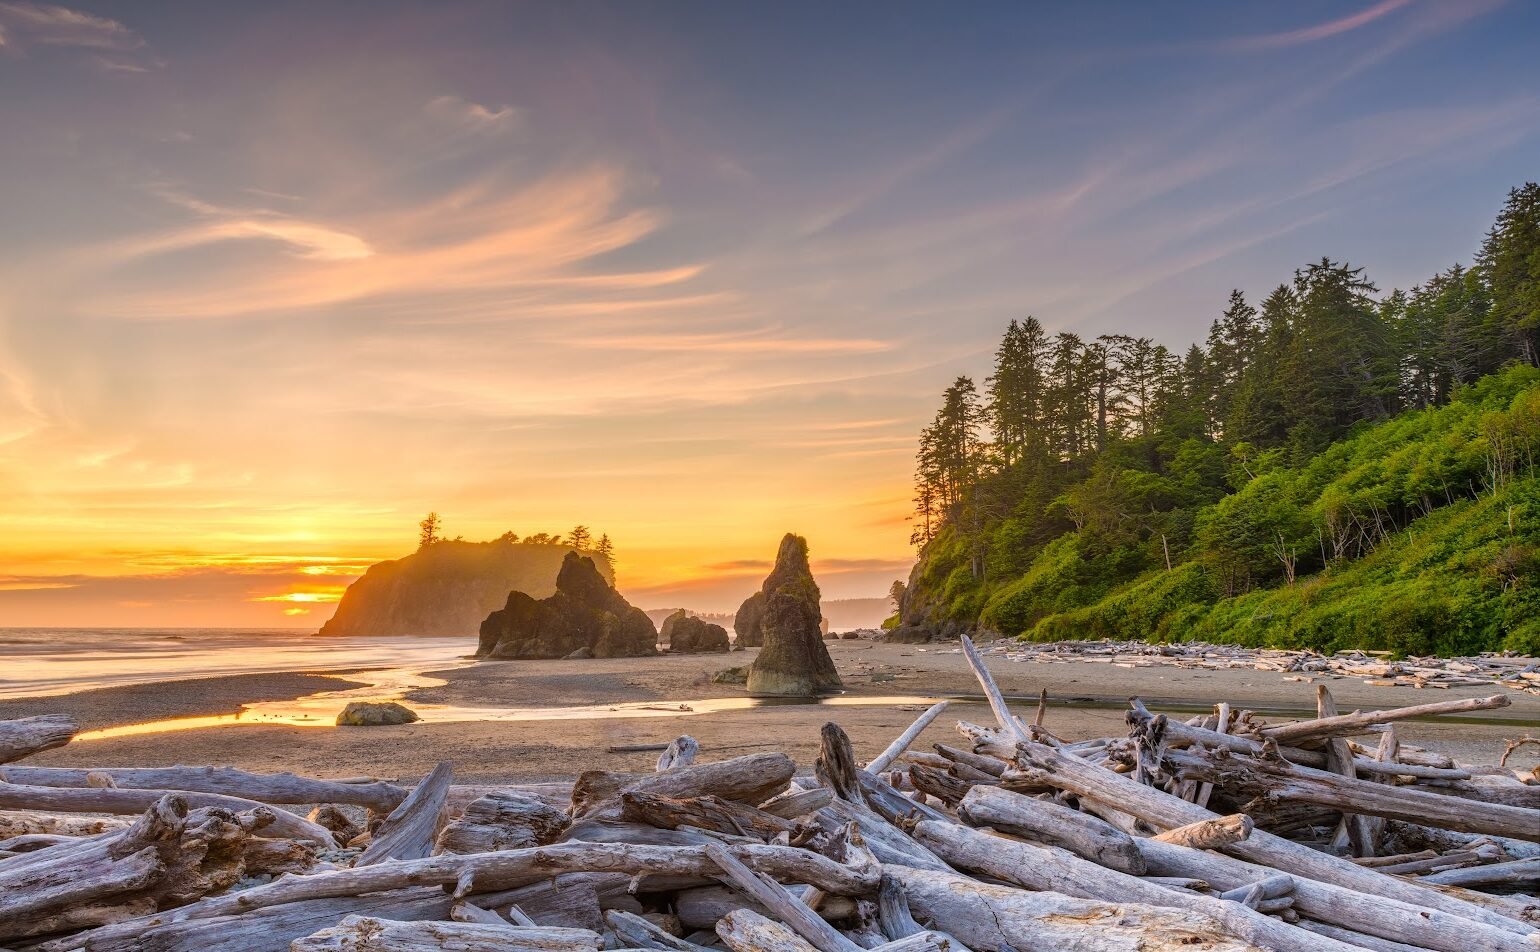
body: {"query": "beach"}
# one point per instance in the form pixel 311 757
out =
pixel 545 720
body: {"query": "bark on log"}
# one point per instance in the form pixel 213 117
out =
pixel 113 800
pixel 798 803
pixel 999 918
pixel 640 933
pixel 28 735
pixel 752 778
pixel 503 821
pixel 268 788
pixel 368 934
pixel 1518 873
pixel 23 822
pixel 1060 871
pixel 707 813
pixel 1210 834
pixel 836 766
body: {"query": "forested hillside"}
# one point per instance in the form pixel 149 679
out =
pixel 1333 467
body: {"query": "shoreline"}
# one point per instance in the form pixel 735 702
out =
pixel 886 686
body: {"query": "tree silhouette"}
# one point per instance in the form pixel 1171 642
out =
pixel 428 530
pixel 579 537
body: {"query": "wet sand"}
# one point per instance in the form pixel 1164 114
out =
pixel 1089 699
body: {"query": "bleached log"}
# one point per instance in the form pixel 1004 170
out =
pixel 121 801
pixel 24 822
pixel 774 897
pixel 1210 834
pixel 747 931
pixel 503 821
pixel 1060 871
pixel 1354 833
pixel 1520 872
pixel 702 907
pixel 679 753
pixel 707 812
pixel 1373 943
pixel 752 778
pixel 369 934
pixel 409 831
pixel 28 735
pixel 1054 824
pixel 997 918
pixel 992 766
pixel 798 803
pixel 901 743
pixel 1360 722
pixel 268 788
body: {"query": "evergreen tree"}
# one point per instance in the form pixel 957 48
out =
pixel 428 530
pixel 1510 262
pixel 605 549
pixel 1255 413
pixel 579 537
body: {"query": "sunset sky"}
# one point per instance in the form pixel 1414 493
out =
pixel 278 278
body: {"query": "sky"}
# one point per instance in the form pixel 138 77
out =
pixel 276 279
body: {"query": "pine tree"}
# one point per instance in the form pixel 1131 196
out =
pixel 428 530
pixel 605 549
pixel 1510 262
pixel 579 538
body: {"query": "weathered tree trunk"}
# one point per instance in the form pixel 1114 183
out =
pixel 1359 722
pixel 706 813
pixel 409 831
pixel 1000 918
pixel 680 753
pixel 753 778
pixel 885 759
pixel 368 934
pixel 28 735
pixel 113 800
pixel 268 788
pixel 747 931
pixel 1056 825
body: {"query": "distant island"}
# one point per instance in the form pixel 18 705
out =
pixel 449 587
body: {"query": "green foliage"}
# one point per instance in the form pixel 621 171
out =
pixel 1332 470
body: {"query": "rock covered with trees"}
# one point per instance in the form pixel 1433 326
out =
pixel 793 660
pixel 448 586
pixel 1115 488
pixel 585 613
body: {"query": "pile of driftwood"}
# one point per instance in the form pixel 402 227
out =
pixel 1219 833
pixel 1484 670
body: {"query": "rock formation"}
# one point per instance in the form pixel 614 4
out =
pixel 666 630
pixel 747 623
pixel 585 613
pixel 793 661
pixel 375 714
pixel 691 635
pixel 446 588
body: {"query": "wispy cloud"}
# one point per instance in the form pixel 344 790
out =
pixel 471 117
pixel 1319 31
pixel 61 26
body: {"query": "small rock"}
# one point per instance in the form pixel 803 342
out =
pixel 738 675
pixel 580 654
pixel 375 714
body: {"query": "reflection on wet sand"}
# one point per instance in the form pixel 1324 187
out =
pixel 321 709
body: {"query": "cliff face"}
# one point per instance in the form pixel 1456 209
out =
pixel 447 589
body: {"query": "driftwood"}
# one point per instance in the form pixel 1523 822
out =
pixel 368 934
pixel 409 831
pixel 268 788
pixel 900 744
pixel 503 821
pixel 113 800
pixel 1361 721
pixel 28 735
pixel 706 813
pixel 753 778
pixel 1210 834
pixel 1056 825
pixel 748 931
pixel 680 753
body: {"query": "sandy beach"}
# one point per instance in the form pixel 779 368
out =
pixel 886 686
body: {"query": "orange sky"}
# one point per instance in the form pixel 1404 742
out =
pixel 276 279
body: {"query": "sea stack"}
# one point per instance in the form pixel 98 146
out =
pixel 793 661
pixel 585 618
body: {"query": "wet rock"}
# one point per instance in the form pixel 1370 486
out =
pixel 585 613
pixel 580 654
pixel 747 623
pixel 739 675
pixel 375 714
pixel 691 635
pixel 793 661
